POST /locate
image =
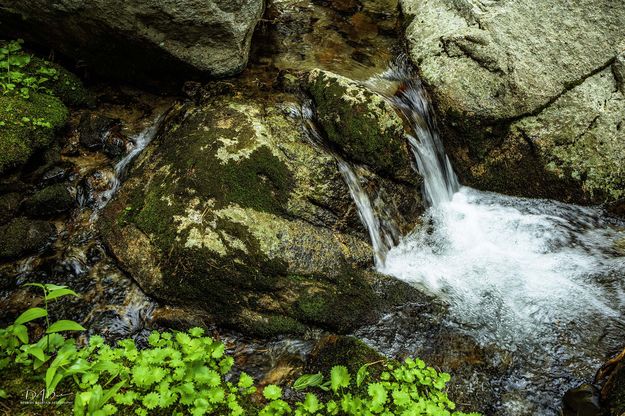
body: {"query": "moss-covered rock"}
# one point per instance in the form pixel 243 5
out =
pixel 341 350
pixel 64 85
pixel 360 123
pixel 21 236
pixel 49 202
pixel 9 203
pixel 28 122
pixel 232 209
pixel 21 128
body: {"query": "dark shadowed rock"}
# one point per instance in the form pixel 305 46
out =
pixel 49 202
pixel 141 38
pixel 21 236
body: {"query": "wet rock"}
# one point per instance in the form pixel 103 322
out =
pixel 582 401
pixel 231 208
pixel 56 174
pixel 341 350
pixel 360 123
pixel 49 202
pixel 527 107
pixel 9 203
pixel 93 130
pixel 125 39
pixel 21 237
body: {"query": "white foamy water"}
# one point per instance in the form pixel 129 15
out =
pixel 512 268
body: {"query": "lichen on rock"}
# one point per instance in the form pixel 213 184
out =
pixel 232 209
pixel 362 124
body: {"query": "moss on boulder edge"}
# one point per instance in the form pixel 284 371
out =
pixel 20 136
pixel 360 123
pixel 232 210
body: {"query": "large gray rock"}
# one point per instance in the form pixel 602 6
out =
pixel 529 93
pixel 233 209
pixel 137 37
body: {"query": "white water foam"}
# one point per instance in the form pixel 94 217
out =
pixel 512 268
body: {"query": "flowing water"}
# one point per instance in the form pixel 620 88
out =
pixel 139 143
pixel 538 279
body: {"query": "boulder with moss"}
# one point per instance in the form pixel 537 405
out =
pixel 361 124
pixel 529 96
pixel 28 123
pixel 49 202
pixel 232 209
pixel 21 237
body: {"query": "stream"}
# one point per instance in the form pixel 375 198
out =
pixel 527 294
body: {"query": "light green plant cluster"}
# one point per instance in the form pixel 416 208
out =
pixel 13 74
pixel 189 373
pixel 409 388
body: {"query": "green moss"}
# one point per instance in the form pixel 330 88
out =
pixel 66 86
pixel 271 325
pixel 19 138
pixel 359 122
pixel 52 200
pixel 21 236
pixel 341 350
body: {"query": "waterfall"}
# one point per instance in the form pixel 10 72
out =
pixel 382 231
pixel 530 276
pixel 381 241
pixel 440 181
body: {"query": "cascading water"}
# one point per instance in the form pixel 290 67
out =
pixel 534 277
pixel 139 143
pixel 382 233
pixel 380 241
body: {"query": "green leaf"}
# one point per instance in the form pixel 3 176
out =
pixel 245 381
pixel 272 392
pixel 57 293
pixel 311 403
pixel 64 325
pixel 151 400
pixel 37 352
pixel 21 332
pixel 339 377
pixel 308 380
pixel 30 315
pixel 378 394
pixel 363 372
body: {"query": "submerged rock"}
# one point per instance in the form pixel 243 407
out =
pixel 529 105
pixel 49 202
pixel 232 209
pixel 21 236
pixel 361 123
pixel 141 38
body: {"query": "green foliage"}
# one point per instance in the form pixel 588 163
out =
pixel 410 388
pixel 189 373
pixel 13 74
